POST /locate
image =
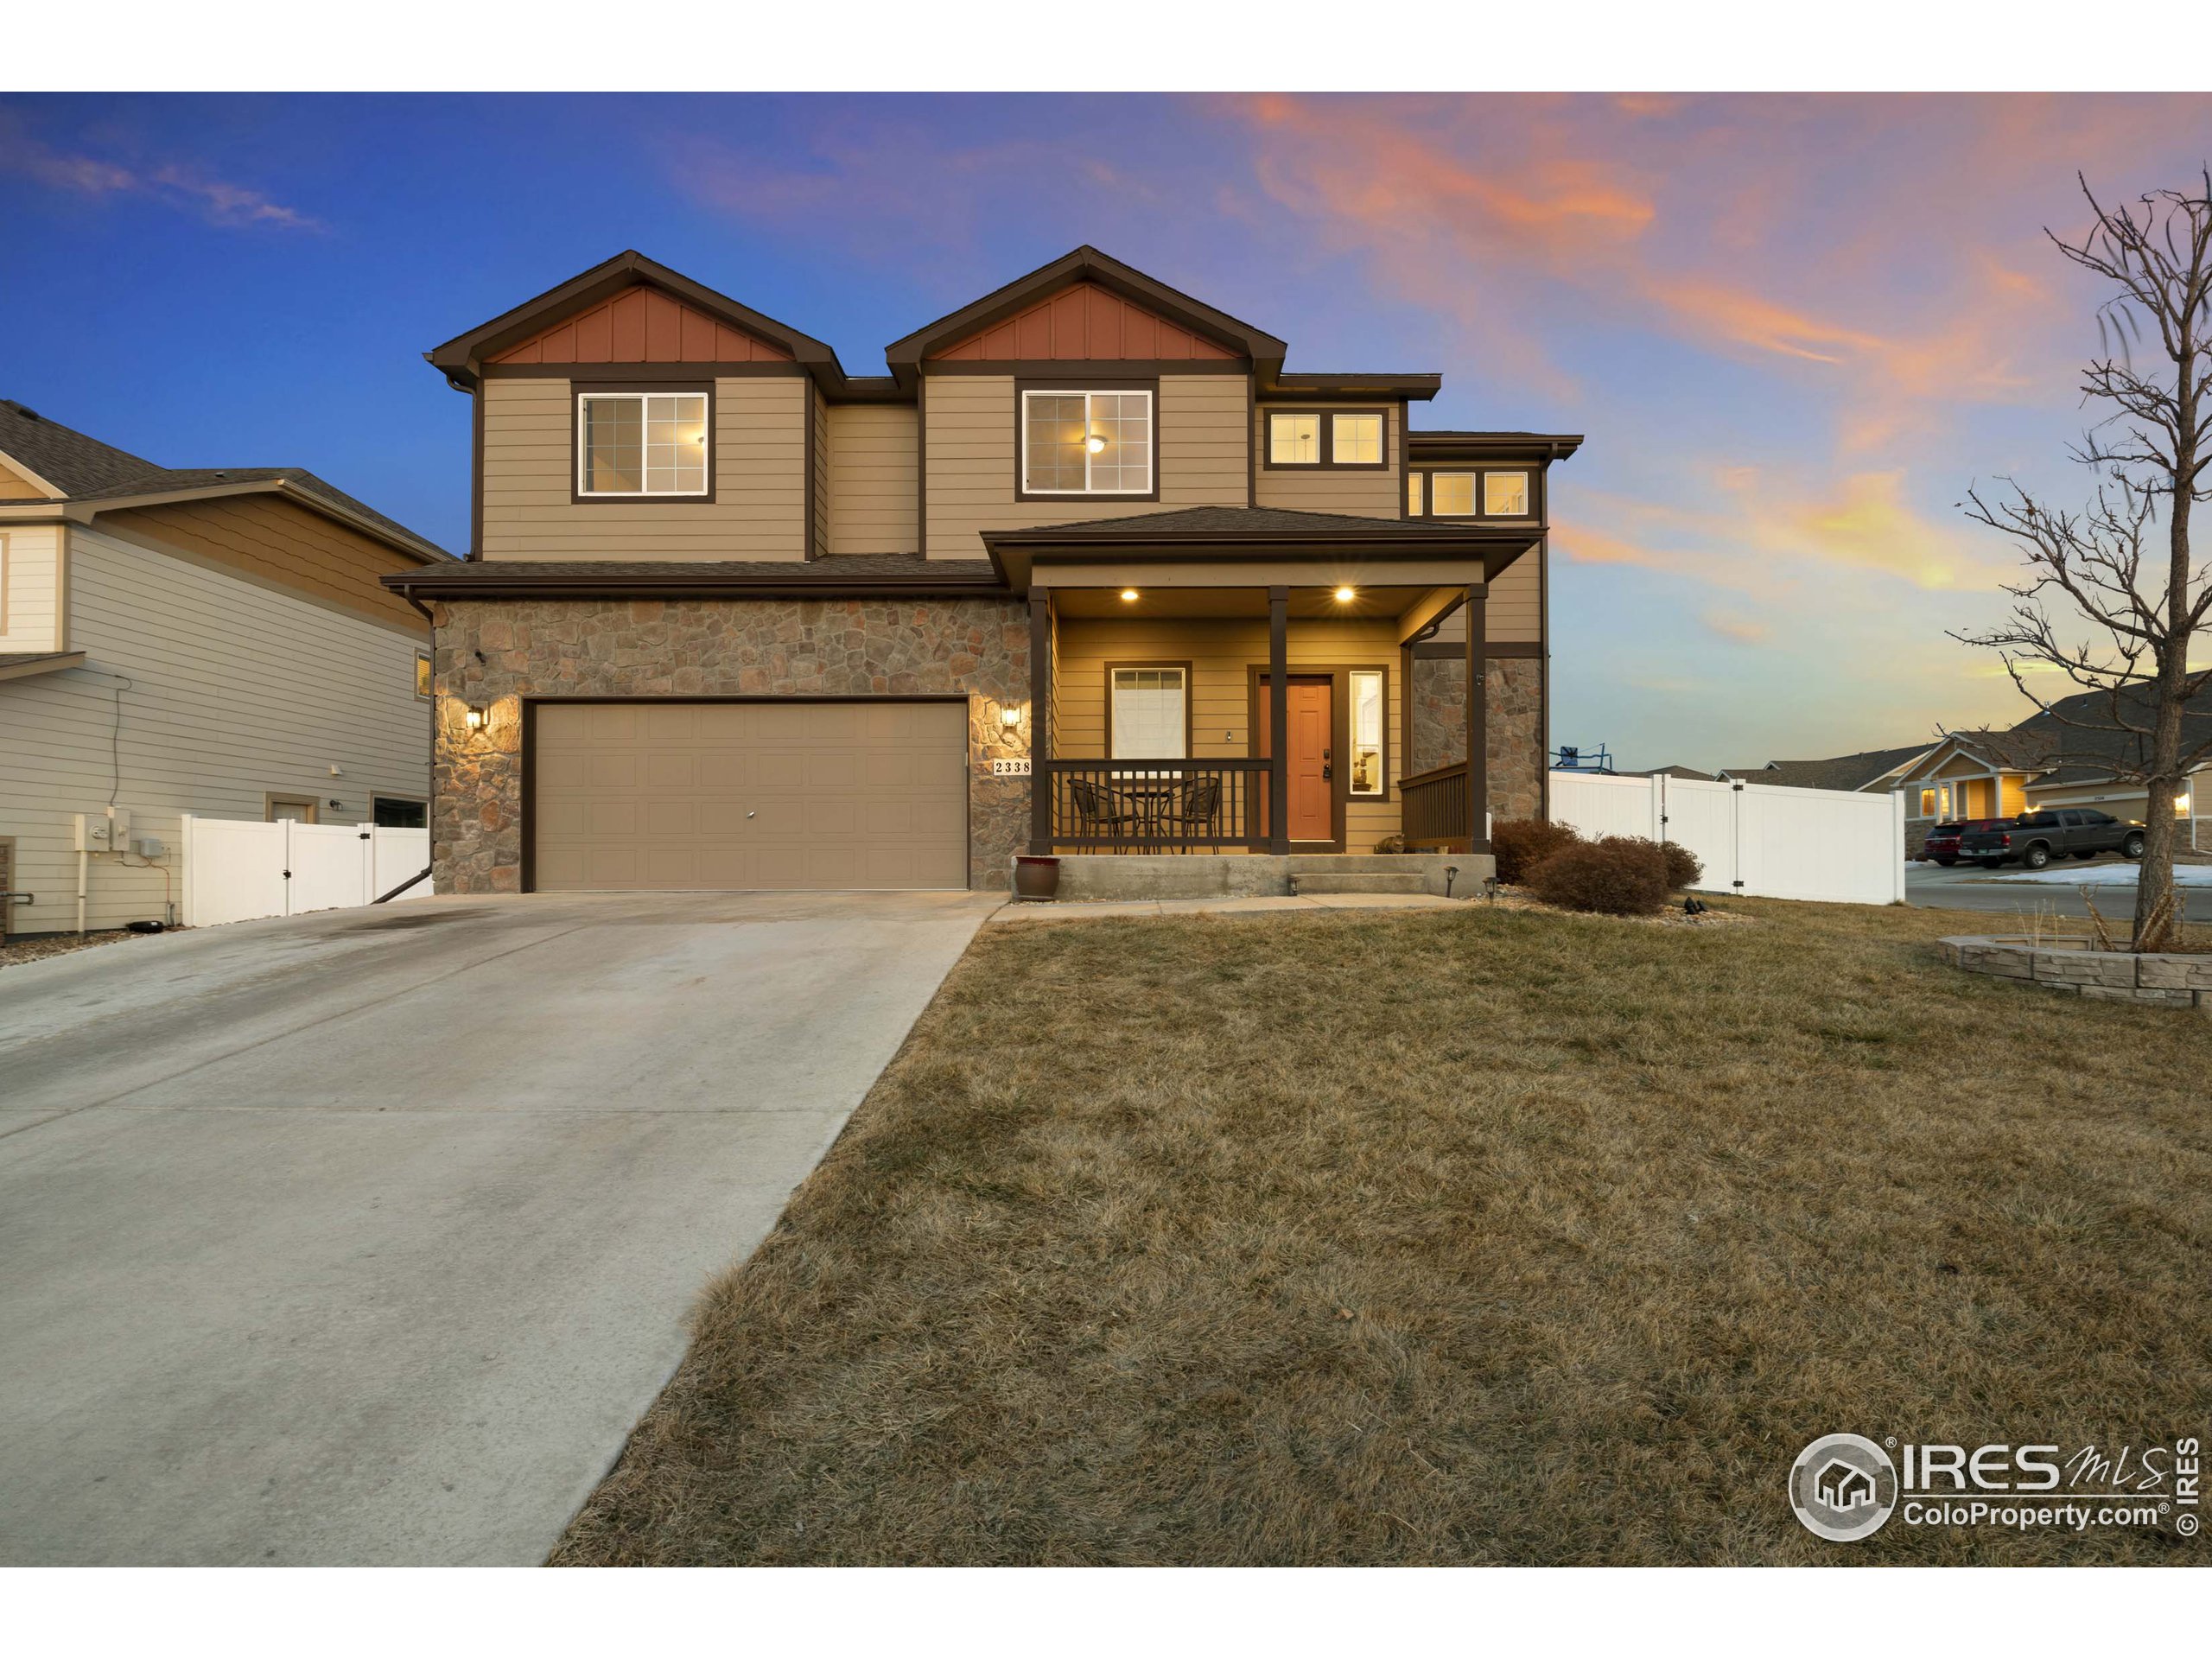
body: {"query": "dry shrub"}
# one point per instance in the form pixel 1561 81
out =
pixel 1679 866
pixel 1617 876
pixel 1520 844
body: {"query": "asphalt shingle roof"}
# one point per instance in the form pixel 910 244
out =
pixel 1848 772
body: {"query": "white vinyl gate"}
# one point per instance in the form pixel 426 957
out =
pixel 1755 839
pixel 236 870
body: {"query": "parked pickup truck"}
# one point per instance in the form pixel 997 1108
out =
pixel 2036 838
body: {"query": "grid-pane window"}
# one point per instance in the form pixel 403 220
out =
pixel 1505 494
pixel 1294 439
pixel 1356 439
pixel 1086 442
pixel 1149 721
pixel 1412 494
pixel 1452 495
pixel 1366 732
pixel 642 443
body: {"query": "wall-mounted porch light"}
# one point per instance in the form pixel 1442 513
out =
pixel 1345 596
pixel 1010 717
pixel 477 717
pixel 1129 596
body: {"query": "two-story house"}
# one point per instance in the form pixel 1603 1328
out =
pixel 1087 571
pixel 210 641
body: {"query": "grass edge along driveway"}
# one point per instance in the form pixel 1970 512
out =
pixel 1445 1238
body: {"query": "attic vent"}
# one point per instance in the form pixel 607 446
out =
pixel 28 414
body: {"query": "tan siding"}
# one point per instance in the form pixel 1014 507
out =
pixel 1515 612
pixel 270 539
pixel 760 507
pixel 871 495
pixel 13 487
pixel 31 592
pixel 819 412
pixel 1370 494
pixel 1221 652
pixel 971 451
pixel 236 690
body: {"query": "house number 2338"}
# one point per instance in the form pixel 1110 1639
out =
pixel 1011 768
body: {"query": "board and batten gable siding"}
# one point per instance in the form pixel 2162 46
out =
pixel 33 616
pixel 266 538
pixel 237 689
pixel 1369 493
pixel 872 478
pixel 1221 652
pixel 972 445
pixel 760 507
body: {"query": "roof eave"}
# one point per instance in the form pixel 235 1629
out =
pixel 83 511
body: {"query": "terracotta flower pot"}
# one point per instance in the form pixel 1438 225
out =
pixel 1036 878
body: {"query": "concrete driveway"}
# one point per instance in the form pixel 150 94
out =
pixel 366 1236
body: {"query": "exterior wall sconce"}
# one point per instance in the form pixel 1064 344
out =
pixel 1010 717
pixel 478 717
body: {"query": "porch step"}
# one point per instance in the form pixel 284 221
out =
pixel 1304 881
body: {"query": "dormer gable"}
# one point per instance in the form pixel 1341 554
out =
pixel 642 324
pixel 1085 323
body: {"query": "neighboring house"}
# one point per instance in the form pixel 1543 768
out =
pixel 1688 774
pixel 205 641
pixel 1983 774
pixel 1088 569
pixel 1869 769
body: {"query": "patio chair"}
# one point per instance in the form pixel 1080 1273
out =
pixel 1100 814
pixel 1193 816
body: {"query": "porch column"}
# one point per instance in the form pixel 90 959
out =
pixel 1477 718
pixel 1278 720
pixel 1040 722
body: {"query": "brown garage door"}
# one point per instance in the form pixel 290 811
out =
pixel 781 795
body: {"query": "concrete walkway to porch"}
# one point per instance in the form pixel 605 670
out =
pixel 1090 909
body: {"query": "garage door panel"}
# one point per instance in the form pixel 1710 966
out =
pixel 762 795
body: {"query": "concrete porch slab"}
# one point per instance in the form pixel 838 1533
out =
pixel 1141 876
pixel 1086 911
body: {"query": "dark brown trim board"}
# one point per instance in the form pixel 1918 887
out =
pixel 1190 706
pixel 1328 462
pixel 1477 718
pixel 586 372
pixel 1544 675
pixel 813 490
pixel 690 387
pixel 1251 441
pixel 1259 677
pixel 922 468
pixel 1040 721
pixel 1087 368
pixel 476 472
pixel 1338 674
pixel 525 780
pixel 1480 473
pixel 1082 381
pixel 1278 718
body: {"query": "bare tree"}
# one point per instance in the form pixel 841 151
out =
pixel 2133 595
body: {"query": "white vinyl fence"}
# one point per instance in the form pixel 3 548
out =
pixel 236 870
pixel 1753 838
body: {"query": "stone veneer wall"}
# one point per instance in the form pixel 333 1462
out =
pixel 623 648
pixel 1516 688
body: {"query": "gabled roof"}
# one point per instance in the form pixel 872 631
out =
pixel 1847 772
pixel 1085 263
pixel 462 357
pixel 2097 747
pixel 92 477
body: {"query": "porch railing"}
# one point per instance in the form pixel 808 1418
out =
pixel 1435 806
pixel 1153 806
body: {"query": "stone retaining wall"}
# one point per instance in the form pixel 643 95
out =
pixel 2076 967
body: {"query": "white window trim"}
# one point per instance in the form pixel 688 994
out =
pixel 1151 431
pixel 1113 688
pixel 583 450
pixel 1474 491
pixel 1527 493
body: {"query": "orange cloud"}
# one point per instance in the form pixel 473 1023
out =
pixel 1744 630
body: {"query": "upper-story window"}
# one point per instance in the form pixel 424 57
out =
pixel 642 444
pixel 1475 492
pixel 1086 442
pixel 1299 437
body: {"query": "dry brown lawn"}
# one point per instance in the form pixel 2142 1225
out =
pixel 1455 1237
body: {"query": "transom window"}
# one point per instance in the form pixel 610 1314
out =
pixel 1312 437
pixel 1086 442
pixel 1150 718
pixel 641 443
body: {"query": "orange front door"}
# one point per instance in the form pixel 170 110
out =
pixel 1312 785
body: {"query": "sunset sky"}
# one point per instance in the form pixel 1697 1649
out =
pixel 1795 329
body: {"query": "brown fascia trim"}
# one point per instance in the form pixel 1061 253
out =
pixel 678 585
pixel 1085 263
pixel 1493 446
pixel 1418 388
pixel 84 512
pixel 461 359
pixel 1055 545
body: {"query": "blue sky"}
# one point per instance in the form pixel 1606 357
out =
pixel 1795 329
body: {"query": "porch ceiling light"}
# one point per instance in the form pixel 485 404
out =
pixel 1345 596
pixel 1129 596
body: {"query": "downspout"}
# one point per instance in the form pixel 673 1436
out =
pixel 84 870
pixel 430 809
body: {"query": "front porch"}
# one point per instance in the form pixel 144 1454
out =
pixel 1266 723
